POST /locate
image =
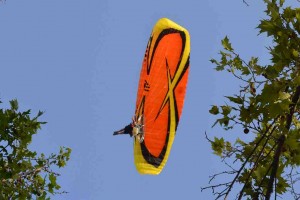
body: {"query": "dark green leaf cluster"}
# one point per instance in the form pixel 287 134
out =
pixel 267 107
pixel 23 173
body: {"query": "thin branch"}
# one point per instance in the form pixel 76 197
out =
pixel 245 63
pixel 215 186
pixel 208 138
pixel 292 182
pixel 243 165
pixel 256 162
pixel 250 69
pixel 267 172
pixel 247 3
pixel 215 175
pixel 4 148
pixel 254 127
pixel 247 159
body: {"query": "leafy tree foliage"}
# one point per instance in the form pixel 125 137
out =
pixel 266 106
pixel 23 173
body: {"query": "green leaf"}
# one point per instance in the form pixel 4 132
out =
pixel 237 63
pixel 284 95
pixel 267 26
pixel 226 44
pixel 297 14
pixel 269 94
pixel 226 110
pixel 14 104
pixel 239 141
pixel 218 145
pixel 52 179
pixel 275 110
pixel 285 105
pixel 288 14
pixel 222 121
pixel 237 99
pixel 292 142
pixel 295 53
pixel 270 72
pixel 260 172
pixel 214 61
pixel 297 80
pixel 214 110
pixel 245 115
pixel 282 185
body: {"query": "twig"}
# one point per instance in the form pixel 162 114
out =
pixel 208 138
pixel 220 194
pixel 215 175
pixel 247 3
pixel 292 182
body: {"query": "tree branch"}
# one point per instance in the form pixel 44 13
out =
pixel 281 141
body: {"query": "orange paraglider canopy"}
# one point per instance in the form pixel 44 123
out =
pixel 161 93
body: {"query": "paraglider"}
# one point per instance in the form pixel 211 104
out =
pixel 160 96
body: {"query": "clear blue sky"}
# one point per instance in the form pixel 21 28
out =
pixel 79 61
